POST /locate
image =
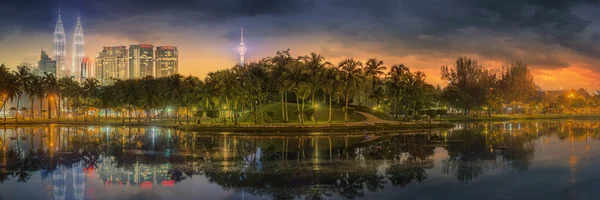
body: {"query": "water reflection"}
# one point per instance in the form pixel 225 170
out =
pixel 280 167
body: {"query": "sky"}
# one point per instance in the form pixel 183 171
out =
pixel 558 39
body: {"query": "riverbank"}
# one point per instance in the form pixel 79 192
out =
pixel 207 127
pixel 516 117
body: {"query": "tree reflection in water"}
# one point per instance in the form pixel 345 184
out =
pixel 281 167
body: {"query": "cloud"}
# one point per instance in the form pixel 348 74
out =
pixel 537 32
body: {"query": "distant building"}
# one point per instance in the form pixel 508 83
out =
pixel 86 68
pixel 167 61
pixel 78 52
pixel 112 64
pixel 141 61
pixel 60 48
pixel 46 64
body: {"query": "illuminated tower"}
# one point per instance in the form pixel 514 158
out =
pixel 78 53
pixel 59 47
pixel 242 49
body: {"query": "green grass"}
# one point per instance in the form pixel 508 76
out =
pixel 322 113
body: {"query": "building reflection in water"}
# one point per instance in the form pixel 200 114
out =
pixel 278 166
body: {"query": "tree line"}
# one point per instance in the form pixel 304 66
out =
pixel 242 91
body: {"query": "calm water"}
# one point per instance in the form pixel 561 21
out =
pixel 531 160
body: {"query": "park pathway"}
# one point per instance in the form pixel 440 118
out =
pixel 375 120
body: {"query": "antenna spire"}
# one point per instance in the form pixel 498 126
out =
pixel 242 35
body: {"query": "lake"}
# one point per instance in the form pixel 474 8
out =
pixel 505 160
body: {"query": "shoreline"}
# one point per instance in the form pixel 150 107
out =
pixel 350 127
pixel 250 128
pixel 518 117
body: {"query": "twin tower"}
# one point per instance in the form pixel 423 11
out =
pixel 60 53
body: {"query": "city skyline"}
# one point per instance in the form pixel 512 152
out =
pixel 555 39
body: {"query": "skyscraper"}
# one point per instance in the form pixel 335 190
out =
pixel 78 52
pixel 242 49
pixel 166 61
pixel 141 61
pixel 111 64
pixel 86 69
pixel 59 48
pixel 46 64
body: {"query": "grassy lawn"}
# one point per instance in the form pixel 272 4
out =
pixel 322 113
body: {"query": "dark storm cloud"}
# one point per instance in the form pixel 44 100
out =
pixel 424 27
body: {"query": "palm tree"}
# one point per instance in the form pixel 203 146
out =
pixel 90 93
pixel 34 90
pixel 331 85
pixel 21 81
pixel 280 64
pixel 351 71
pixel 374 69
pixel 314 67
pixel 296 80
pixel 396 85
pixel 51 90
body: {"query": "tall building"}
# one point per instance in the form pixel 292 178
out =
pixel 86 69
pixel 46 64
pixel 166 61
pixel 242 49
pixel 111 64
pixel 59 48
pixel 141 61
pixel 78 52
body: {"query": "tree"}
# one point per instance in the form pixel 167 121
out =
pixel 517 83
pixel 468 83
pixel 280 64
pixel 297 82
pixel 351 71
pixel 374 70
pixel 21 78
pixel 396 86
pixel 331 85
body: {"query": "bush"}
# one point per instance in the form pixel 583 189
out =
pixel 442 112
pixel 212 114
pixel 295 112
pixel 349 110
pixel 271 114
pixel 309 112
pixel 432 113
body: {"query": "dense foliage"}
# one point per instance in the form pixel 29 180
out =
pixel 305 82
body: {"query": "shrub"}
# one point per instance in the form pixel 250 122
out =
pixel 431 113
pixel 309 112
pixel 442 112
pixel 212 114
pixel 271 114
pixel 295 112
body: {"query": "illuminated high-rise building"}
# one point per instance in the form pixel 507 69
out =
pixel 46 64
pixel 242 49
pixel 166 61
pixel 78 52
pixel 60 48
pixel 111 64
pixel 141 61
pixel 86 69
